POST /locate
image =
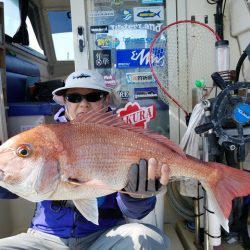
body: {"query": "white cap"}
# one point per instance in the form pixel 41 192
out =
pixel 88 79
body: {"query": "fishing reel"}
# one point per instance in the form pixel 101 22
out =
pixel 230 113
pixel 230 110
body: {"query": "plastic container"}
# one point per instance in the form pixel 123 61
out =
pixel 24 116
pixel 222 55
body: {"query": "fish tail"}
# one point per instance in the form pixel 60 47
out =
pixel 223 185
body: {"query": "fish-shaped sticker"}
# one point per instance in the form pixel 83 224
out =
pixel 148 13
pixel 152 13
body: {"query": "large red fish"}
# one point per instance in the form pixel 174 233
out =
pixel 91 157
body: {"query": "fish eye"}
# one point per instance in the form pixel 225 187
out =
pixel 23 151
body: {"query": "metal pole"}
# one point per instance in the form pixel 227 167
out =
pixel 197 219
pixel 205 158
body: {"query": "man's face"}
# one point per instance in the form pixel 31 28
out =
pixel 84 106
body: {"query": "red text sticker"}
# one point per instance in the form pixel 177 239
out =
pixel 133 113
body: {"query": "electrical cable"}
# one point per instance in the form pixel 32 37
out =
pixel 181 204
pixel 238 66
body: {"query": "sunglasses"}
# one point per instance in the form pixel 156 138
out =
pixel 91 97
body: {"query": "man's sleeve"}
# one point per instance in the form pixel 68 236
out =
pixel 135 208
pixel 5 194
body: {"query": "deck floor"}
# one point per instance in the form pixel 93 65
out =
pixel 187 239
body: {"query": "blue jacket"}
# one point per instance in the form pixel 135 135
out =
pixel 62 219
pixel 65 221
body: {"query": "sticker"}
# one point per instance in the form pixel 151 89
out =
pixel 241 113
pixel 140 77
pixel 117 2
pixel 130 40
pixel 137 26
pixel 132 58
pixel 99 29
pixel 102 13
pixel 136 58
pixel 145 93
pixel 110 81
pixel 124 95
pixel 150 13
pixel 151 1
pixel 126 15
pixel 105 41
pixel 102 58
pixel 134 114
pixel 102 1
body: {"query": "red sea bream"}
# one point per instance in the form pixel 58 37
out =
pixel 91 157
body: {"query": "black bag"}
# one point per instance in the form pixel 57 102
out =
pixel 43 90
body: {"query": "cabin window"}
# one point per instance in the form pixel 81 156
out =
pixel 12 22
pixel 62 36
pixel 32 38
pixel 11 16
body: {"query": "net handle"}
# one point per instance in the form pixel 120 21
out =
pixel 151 53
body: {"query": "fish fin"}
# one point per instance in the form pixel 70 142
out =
pixel 112 120
pixel 93 182
pixel 75 183
pixel 89 209
pixel 223 220
pixel 223 185
pixel 47 178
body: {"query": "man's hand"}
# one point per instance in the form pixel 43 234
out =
pixel 142 181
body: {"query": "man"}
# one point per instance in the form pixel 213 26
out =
pixel 59 225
